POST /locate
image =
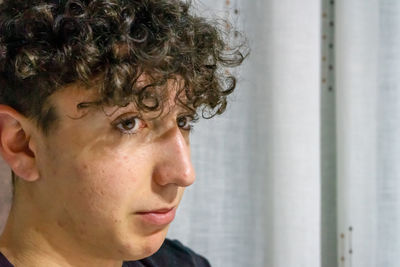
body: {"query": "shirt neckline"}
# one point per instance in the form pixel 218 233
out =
pixel 4 261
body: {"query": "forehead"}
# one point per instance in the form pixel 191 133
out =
pixel 77 98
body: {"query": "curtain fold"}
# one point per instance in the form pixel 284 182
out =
pixel 368 68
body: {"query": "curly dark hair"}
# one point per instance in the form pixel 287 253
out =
pixel 45 45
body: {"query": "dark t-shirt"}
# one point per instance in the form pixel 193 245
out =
pixel 171 254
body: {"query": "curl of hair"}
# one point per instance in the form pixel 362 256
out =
pixel 45 45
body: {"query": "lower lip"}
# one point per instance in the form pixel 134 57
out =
pixel 158 218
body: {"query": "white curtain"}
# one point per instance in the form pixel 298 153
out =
pixel 257 200
pixel 302 169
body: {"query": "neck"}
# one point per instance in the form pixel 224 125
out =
pixel 28 241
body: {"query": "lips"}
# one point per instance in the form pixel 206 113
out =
pixel 158 217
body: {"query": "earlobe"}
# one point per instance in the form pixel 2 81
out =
pixel 15 144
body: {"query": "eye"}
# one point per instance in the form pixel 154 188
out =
pixel 186 122
pixel 129 125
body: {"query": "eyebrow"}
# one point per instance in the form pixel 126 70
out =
pixel 83 105
pixel 99 103
pixel 90 104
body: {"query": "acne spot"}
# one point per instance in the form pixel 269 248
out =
pixel 81 230
pixel 60 224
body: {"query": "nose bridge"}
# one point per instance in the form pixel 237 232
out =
pixel 174 165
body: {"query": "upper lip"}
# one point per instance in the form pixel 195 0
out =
pixel 161 210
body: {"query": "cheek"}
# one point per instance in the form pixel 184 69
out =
pixel 110 183
pixel 101 183
pixel 99 196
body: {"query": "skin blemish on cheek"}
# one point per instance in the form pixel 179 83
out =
pixel 81 232
pixel 60 224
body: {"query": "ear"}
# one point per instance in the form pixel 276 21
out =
pixel 16 146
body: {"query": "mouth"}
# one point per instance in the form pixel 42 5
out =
pixel 158 217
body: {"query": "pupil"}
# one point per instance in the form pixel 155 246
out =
pixel 181 122
pixel 128 124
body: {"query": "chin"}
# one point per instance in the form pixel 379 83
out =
pixel 146 246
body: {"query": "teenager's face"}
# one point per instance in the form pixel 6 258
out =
pixel 103 173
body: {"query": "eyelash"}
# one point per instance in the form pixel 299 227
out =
pixel 124 120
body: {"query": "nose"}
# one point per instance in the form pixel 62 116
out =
pixel 174 165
